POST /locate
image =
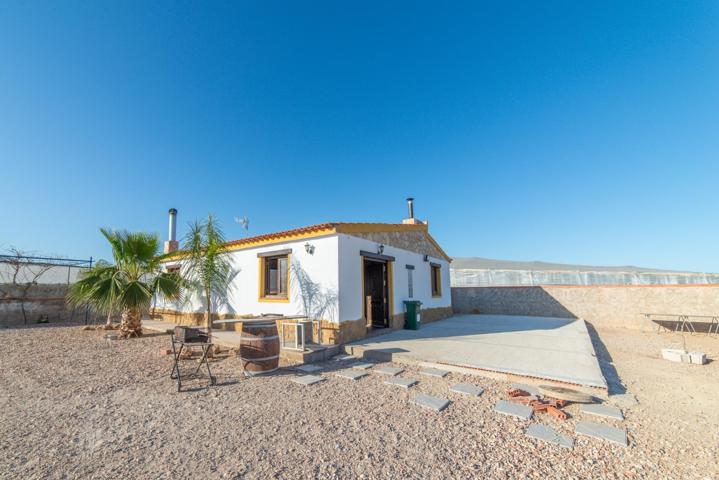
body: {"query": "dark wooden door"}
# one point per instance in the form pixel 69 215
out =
pixel 376 293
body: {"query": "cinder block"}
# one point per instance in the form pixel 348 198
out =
pixel 698 358
pixel 673 354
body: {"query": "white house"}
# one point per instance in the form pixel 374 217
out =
pixel 352 277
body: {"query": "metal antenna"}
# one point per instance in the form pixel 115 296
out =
pixel 243 222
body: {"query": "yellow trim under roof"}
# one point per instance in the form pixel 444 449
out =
pixel 320 231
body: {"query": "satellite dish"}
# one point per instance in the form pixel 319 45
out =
pixel 243 222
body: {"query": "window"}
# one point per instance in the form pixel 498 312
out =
pixel 274 277
pixel 436 274
pixel 410 282
pixel 173 269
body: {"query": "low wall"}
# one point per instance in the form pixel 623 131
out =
pixel 43 301
pixel 612 306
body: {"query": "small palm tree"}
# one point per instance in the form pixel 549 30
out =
pixel 205 263
pixel 128 285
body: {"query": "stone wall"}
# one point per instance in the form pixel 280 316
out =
pixel 411 241
pixel 612 306
pixel 42 301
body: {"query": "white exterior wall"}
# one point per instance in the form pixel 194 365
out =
pixel 350 277
pixel 321 270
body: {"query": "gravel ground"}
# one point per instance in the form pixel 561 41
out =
pixel 75 407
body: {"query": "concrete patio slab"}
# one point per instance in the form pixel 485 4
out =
pixel 308 368
pixel 602 432
pixel 548 434
pixel 401 382
pixel 351 375
pixel 392 371
pixel 436 404
pixel 467 389
pixel 522 412
pixel 550 348
pixel 434 372
pixel 307 379
pixel 363 366
pixel 601 411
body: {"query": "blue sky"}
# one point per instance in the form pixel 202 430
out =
pixel 559 131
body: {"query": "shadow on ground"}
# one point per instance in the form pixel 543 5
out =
pixel 606 363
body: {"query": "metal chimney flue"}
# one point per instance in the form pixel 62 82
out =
pixel 172 227
pixel 171 244
pixel 410 220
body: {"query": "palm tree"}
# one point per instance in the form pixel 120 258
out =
pixel 205 263
pixel 128 285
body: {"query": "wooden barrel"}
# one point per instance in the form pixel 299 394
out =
pixel 259 347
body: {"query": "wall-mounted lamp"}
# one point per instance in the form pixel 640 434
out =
pixel 380 248
pixel 426 258
pixel 309 248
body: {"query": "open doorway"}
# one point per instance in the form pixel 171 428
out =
pixel 376 292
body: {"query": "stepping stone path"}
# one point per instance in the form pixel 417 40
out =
pixel 351 375
pixel 308 379
pixel 309 368
pixel 467 389
pixel 434 372
pixel 624 400
pixel 602 411
pixel 401 382
pixel 602 432
pixel 363 366
pixel 530 389
pixel 547 434
pixel 522 412
pixel 428 401
pixel 392 371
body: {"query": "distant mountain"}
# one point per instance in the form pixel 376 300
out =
pixel 478 263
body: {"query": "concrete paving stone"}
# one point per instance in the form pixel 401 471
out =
pixel 428 401
pixel 601 411
pixel 401 382
pixel 351 375
pixel 392 371
pixel 467 389
pixel 363 366
pixel 308 368
pixel 515 410
pixel 548 434
pixel 531 389
pixel 340 358
pixel 434 372
pixel 602 432
pixel 307 379
pixel 624 400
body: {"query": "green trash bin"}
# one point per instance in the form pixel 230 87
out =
pixel 411 314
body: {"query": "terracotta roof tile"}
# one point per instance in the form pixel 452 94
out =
pixel 285 233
